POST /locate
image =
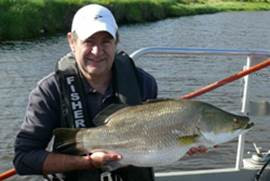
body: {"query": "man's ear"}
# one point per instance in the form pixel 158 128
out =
pixel 71 41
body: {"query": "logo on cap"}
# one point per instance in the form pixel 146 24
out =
pixel 98 16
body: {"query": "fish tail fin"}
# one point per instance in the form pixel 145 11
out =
pixel 65 140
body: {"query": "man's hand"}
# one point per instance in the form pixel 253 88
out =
pixel 194 150
pixel 98 159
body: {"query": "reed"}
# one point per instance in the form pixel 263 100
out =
pixel 24 19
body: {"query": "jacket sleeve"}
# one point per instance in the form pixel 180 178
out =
pixel 41 117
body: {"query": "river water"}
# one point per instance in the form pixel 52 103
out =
pixel 22 64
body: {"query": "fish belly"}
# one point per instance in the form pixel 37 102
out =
pixel 162 157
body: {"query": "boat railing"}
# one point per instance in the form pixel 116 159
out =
pixel 253 57
pixel 196 51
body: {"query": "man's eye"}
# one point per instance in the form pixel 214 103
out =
pixel 107 40
pixel 89 41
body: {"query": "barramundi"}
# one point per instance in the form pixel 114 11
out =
pixel 155 133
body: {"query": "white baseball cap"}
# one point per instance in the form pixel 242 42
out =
pixel 91 19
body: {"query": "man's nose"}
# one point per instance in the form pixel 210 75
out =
pixel 97 49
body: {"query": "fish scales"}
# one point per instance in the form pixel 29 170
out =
pixel 159 132
pixel 129 123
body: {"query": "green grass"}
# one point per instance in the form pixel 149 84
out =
pixel 24 19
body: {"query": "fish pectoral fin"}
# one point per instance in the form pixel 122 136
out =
pixel 186 140
pixel 65 141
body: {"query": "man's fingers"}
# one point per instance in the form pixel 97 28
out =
pixel 191 151
pixel 101 157
pixel 202 149
pixel 194 150
pixel 111 156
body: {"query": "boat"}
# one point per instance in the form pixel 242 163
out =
pixel 254 168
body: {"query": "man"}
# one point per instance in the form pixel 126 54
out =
pixel 86 81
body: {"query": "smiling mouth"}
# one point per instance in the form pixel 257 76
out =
pixel 92 62
pixel 96 61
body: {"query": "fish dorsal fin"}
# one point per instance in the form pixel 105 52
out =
pixel 65 140
pixel 149 101
pixel 103 116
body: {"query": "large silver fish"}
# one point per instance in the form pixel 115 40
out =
pixel 156 133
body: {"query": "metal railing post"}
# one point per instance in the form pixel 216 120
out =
pixel 245 99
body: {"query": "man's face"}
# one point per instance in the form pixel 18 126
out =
pixel 95 55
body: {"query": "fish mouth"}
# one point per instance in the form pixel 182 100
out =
pixel 249 125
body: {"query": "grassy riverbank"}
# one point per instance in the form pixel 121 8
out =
pixel 24 19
